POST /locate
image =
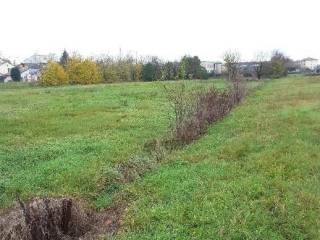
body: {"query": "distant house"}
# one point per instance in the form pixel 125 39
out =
pixel 30 75
pixel 248 65
pixel 309 63
pixel 212 67
pixel 5 66
pixel 5 69
pixel 31 67
pixel 248 69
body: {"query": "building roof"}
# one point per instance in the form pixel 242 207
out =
pixel 211 62
pixel 40 59
pixel 4 60
pixel 309 59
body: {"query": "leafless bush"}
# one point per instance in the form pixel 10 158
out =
pixel 183 104
pixel 238 90
pixel 194 110
pixel 260 68
pixel 231 62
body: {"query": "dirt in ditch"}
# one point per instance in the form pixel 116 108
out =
pixel 53 219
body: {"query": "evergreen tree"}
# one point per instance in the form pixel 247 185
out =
pixel 64 58
pixel 15 74
pixel 148 72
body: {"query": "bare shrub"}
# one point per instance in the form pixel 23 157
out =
pixel 213 104
pixel 194 110
pixel 238 91
pixel 260 68
pixel 231 62
pixel 183 104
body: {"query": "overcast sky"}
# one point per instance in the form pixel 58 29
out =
pixel 166 28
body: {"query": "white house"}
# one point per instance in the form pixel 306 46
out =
pixel 30 75
pixel 5 67
pixel 215 67
pixel 309 63
pixel 7 79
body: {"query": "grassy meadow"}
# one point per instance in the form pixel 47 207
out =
pixel 62 141
pixel 254 175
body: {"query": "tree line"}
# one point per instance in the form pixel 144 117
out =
pixel 264 65
pixel 106 69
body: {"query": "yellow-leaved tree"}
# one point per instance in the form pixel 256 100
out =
pixel 83 71
pixel 138 72
pixel 53 74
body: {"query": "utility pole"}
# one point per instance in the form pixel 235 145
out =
pixel 120 53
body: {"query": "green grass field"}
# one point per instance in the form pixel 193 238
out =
pixel 254 175
pixel 62 141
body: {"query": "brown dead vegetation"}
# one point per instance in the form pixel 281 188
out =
pixel 195 110
pixel 45 219
pixel 55 219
